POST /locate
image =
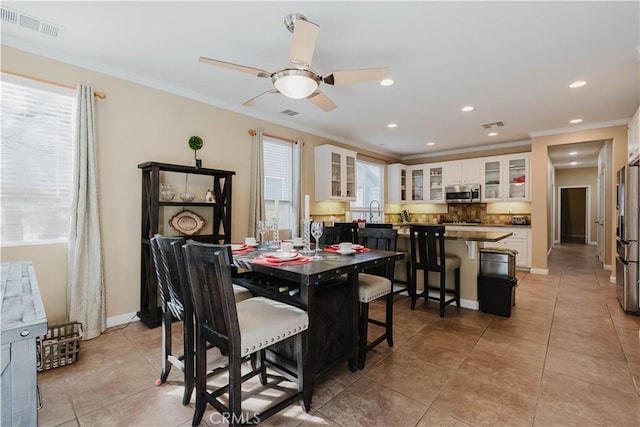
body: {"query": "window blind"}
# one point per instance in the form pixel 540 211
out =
pixel 36 161
pixel 278 184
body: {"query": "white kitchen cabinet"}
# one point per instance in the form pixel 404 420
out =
pixel 417 182
pixel 505 178
pixel 633 138
pixel 435 183
pixel 397 183
pixel 462 172
pixel 335 174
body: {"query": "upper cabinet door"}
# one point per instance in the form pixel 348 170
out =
pixel 492 181
pixel 518 179
pixel 417 182
pixel 397 183
pixel 335 173
pixel 435 180
pixel 459 172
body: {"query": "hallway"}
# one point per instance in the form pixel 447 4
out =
pixel 566 356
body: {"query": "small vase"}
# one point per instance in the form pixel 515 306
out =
pixel 198 163
pixel 166 193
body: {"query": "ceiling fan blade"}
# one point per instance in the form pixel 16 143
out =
pixel 356 76
pixel 322 101
pixel 303 42
pixel 235 67
pixel 251 102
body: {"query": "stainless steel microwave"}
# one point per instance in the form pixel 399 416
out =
pixel 467 193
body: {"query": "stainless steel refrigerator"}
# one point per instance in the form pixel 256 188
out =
pixel 627 238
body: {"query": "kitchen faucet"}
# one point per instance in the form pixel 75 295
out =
pixel 371 212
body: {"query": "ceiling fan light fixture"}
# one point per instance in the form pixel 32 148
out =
pixel 295 83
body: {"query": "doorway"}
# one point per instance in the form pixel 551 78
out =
pixel 573 206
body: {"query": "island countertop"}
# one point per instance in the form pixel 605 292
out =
pixel 468 236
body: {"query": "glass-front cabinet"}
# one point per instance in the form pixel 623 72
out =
pixel 335 170
pixel 435 181
pixel 518 179
pixel 417 182
pixel 492 180
pixel 397 183
pixel 506 178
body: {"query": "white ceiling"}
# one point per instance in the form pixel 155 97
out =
pixel 512 61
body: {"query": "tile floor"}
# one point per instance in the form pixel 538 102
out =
pixel 566 356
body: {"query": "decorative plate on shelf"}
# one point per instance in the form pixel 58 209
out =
pixel 187 222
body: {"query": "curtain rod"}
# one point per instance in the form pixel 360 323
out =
pixel 252 132
pixel 100 95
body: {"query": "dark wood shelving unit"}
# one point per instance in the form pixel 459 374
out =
pixel 150 313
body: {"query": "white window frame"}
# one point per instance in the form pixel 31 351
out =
pixel 360 208
pixel 284 196
pixel 22 206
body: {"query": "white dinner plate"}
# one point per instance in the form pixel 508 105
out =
pixel 351 252
pixel 238 247
pixel 281 256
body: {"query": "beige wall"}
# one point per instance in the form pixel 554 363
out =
pixel 580 177
pixel 539 192
pixel 136 124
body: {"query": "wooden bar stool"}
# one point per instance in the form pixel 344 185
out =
pixel 239 330
pixel 427 254
pixel 373 284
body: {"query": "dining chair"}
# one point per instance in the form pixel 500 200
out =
pixel 177 303
pixel 428 255
pixel 377 225
pixel 347 231
pixel 373 284
pixel 239 330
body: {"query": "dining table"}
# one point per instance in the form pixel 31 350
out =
pixel 326 288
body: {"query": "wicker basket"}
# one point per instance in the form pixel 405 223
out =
pixel 60 347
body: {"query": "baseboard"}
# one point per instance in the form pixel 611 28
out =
pixel 592 243
pixel 549 250
pixel 540 271
pixel 467 303
pixel 607 267
pixel 122 319
pixel 612 279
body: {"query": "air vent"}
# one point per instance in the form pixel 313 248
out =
pixel 26 21
pixel 493 125
pixel 289 113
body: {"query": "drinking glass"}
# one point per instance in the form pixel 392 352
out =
pixel 316 232
pixel 262 229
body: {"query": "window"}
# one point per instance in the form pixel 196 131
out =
pixel 369 189
pixel 278 180
pixel 36 161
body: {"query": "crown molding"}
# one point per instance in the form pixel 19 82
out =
pixel 589 126
pixel 468 150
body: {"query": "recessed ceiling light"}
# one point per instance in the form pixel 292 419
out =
pixel 573 153
pixel 492 134
pixel 574 121
pixel 431 143
pixel 386 82
pixel 578 83
pixel 467 108
pixel 392 125
pixel 573 163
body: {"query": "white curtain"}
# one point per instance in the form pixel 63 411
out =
pixel 85 281
pixel 256 197
pixel 297 189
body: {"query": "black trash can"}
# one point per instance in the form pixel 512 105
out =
pixel 497 296
pixel 496 281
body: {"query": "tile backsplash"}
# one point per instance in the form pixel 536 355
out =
pixel 468 212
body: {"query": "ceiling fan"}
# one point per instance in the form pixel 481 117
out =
pixel 298 80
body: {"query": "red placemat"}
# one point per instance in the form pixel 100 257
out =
pixel 243 250
pixel 262 260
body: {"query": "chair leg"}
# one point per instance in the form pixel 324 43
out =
pixel 189 374
pixel 166 346
pixel 412 289
pixel 457 284
pixel 443 282
pixel 389 321
pixel 303 370
pixel 363 331
pixel 201 380
pixel 235 389
pixel 262 354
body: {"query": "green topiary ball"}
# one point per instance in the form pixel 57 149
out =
pixel 195 143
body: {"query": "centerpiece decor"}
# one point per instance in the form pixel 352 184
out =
pixel 196 143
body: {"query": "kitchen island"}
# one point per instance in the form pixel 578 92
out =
pixel 466 245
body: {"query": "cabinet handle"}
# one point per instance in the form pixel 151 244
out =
pixel 25 333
